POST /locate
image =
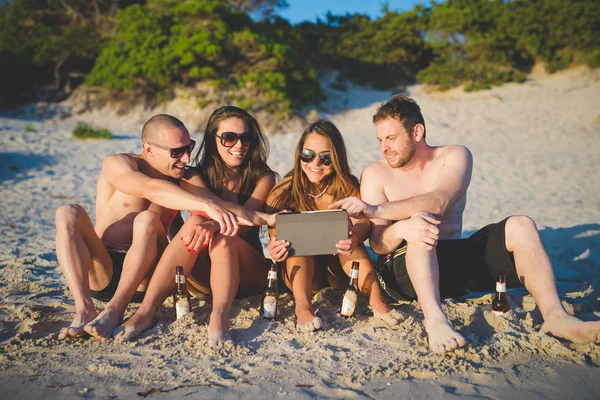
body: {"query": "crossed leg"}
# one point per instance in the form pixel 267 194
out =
pixel 535 271
pixel 84 261
pixel 149 240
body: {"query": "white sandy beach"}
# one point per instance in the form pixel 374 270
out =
pixel 536 149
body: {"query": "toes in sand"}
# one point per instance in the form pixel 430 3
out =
pixel 132 328
pixel 443 337
pixel 392 317
pixel 314 325
pixel 573 329
pixel 104 324
pixel 76 329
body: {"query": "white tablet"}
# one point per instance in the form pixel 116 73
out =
pixel 312 233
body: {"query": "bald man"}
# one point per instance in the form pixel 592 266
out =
pixel 137 197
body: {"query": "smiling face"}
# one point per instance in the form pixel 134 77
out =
pixel 161 156
pixel 232 156
pixel 397 145
pixel 314 170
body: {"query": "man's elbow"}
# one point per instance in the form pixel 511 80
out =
pixel 441 205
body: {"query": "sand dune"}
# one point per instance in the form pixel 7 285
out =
pixel 536 151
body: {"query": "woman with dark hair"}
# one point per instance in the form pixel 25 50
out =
pixel 231 170
pixel 320 176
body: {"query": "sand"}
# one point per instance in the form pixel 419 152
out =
pixel 536 152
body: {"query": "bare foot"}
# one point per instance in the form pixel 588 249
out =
pixel 76 328
pixel 218 329
pixel 573 329
pixel 304 314
pixel 443 337
pixel 132 327
pixel 391 317
pixel 311 326
pixel 104 324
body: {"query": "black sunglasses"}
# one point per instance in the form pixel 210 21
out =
pixel 229 139
pixel 178 152
pixel 307 156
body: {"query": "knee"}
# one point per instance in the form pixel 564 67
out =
pixel 67 216
pixel 518 225
pixel 146 223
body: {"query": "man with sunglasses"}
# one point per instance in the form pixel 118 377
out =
pixel 137 197
pixel 415 200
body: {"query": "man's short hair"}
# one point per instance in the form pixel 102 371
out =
pixel 158 123
pixel 404 109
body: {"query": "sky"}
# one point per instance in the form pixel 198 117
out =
pixel 308 10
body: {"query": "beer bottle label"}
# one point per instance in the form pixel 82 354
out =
pixel 182 307
pixel 500 287
pixel 498 312
pixel 272 275
pixel 179 279
pixel 269 307
pixel 354 274
pixel 348 304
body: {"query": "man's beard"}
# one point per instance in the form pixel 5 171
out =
pixel 404 158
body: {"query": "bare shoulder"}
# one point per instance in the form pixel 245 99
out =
pixel 455 153
pixel 267 179
pixel 121 160
pixel 375 170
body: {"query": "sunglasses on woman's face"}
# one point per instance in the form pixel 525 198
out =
pixel 307 156
pixel 230 139
pixel 178 152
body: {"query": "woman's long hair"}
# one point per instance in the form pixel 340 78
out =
pixel 293 187
pixel 211 166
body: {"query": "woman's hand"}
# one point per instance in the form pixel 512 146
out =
pixel 346 247
pixel 278 249
pixel 200 235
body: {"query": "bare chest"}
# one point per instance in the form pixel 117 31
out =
pixel 400 185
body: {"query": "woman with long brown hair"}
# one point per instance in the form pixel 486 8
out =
pixel 320 176
pixel 231 170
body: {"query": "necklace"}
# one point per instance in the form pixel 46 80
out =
pixel 316 196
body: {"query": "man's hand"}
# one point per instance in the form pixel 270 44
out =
pixel 278 249
pixel 227 220
pixel 421 229
pixel 356 207
pixel 200 236
pixel 346 247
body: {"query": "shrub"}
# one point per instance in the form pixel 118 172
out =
pixel 85 131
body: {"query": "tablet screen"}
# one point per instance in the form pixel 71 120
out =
pixel 312 233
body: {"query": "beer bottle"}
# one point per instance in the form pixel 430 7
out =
pixel 351 295
pixel 500 305
pixel 181 297
pixel 268 307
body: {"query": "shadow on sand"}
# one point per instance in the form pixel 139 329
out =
pixel 14 166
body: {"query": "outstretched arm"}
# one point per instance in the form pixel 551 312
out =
pixel 249 210
pixel 451 185
pixel 123 173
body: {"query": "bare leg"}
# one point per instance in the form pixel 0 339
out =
pixel 369 286
pixel 298 276
pixel 535 270
pixel 162 282
pixel 423 270
pixel 84 262
pixel 224 281
pixel 149 239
